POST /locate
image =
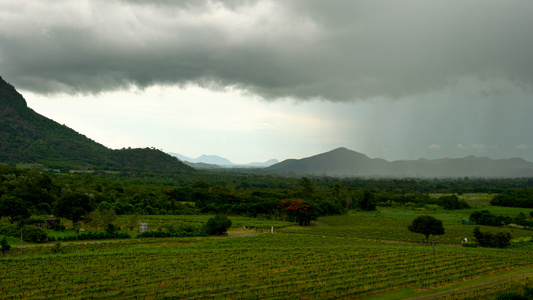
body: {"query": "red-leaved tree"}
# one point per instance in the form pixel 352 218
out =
pixel 298 211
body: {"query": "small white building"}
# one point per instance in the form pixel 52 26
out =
pixel 143 227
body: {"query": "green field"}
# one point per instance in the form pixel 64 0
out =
pixel 163 222
pixel 391 225
pixel 358 255
pixel 157 221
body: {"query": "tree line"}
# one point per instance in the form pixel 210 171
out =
pixel 75 195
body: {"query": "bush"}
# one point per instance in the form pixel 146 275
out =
pixel 217 225
pixel 452 202
pixel 29 233
pixel 94 236
pixel 485 217
pixel 59 227
pixel 165 234
pixel 5 246
pixel 490 240
pixel 35 220
pixel 514 198
pixel 512 296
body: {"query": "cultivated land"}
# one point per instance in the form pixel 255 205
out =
pixel 358 255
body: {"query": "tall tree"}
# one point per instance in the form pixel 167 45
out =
pixel 306 189
pixel 13 208
pixel 367 201
pixel 426 225
pixel 217 225
pixel 5 246
pixel 73 206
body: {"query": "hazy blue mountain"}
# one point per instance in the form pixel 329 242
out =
pixel 181 157
pixel 30 138
pixel 204 159
pixel 214 161
pixel 342 162
pixel 265 164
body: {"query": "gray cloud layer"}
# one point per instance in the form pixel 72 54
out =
pixel 336 50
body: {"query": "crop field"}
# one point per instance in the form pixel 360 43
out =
pixel 390 225
pixel 274 266
pixel 351 256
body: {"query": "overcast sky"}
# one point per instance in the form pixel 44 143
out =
pixel 255 80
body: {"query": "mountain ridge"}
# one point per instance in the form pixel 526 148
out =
pixel 214 161
pixel 342 162
pixel 29 138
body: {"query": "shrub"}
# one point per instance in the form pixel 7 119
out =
pixel 512 296
pixel 5 246
pixel 29 233
pixel 426 225
pixel 217 225
pixel 452 202
pixel 485 217
pixel 514 198
pixel 490 240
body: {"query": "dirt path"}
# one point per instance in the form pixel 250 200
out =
pixel 465 291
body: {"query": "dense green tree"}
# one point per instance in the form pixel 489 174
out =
pixel 512 296
pixel 5 246
pixel 73 206
pixel 107 216
pixel 452 202
pixel 299 211
pixel 13 208
pixel 514 198
pixel 485 217
pixel 307 190
pixel 492 240
pixel 366 201
pixel 426 225
pixel 217 225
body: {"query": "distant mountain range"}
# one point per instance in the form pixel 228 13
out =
pixel 343 162
pixel 27 137
pixel 214 162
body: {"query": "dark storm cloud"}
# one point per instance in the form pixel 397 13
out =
pixel 336 50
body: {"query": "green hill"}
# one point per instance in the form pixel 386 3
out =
pixel 27 137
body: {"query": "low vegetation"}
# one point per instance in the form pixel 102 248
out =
pixel 356 237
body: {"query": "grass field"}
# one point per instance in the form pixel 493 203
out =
pixel 391 225
pixel 162 222
pixel 359 255
pixel 14 241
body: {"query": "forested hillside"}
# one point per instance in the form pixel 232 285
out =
pixel 27 137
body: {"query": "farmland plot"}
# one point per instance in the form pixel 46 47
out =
pixel 277 266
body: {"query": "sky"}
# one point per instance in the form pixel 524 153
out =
pixel 257 80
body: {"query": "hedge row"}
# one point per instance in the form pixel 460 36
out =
pixel 91 236
pixel 178 233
